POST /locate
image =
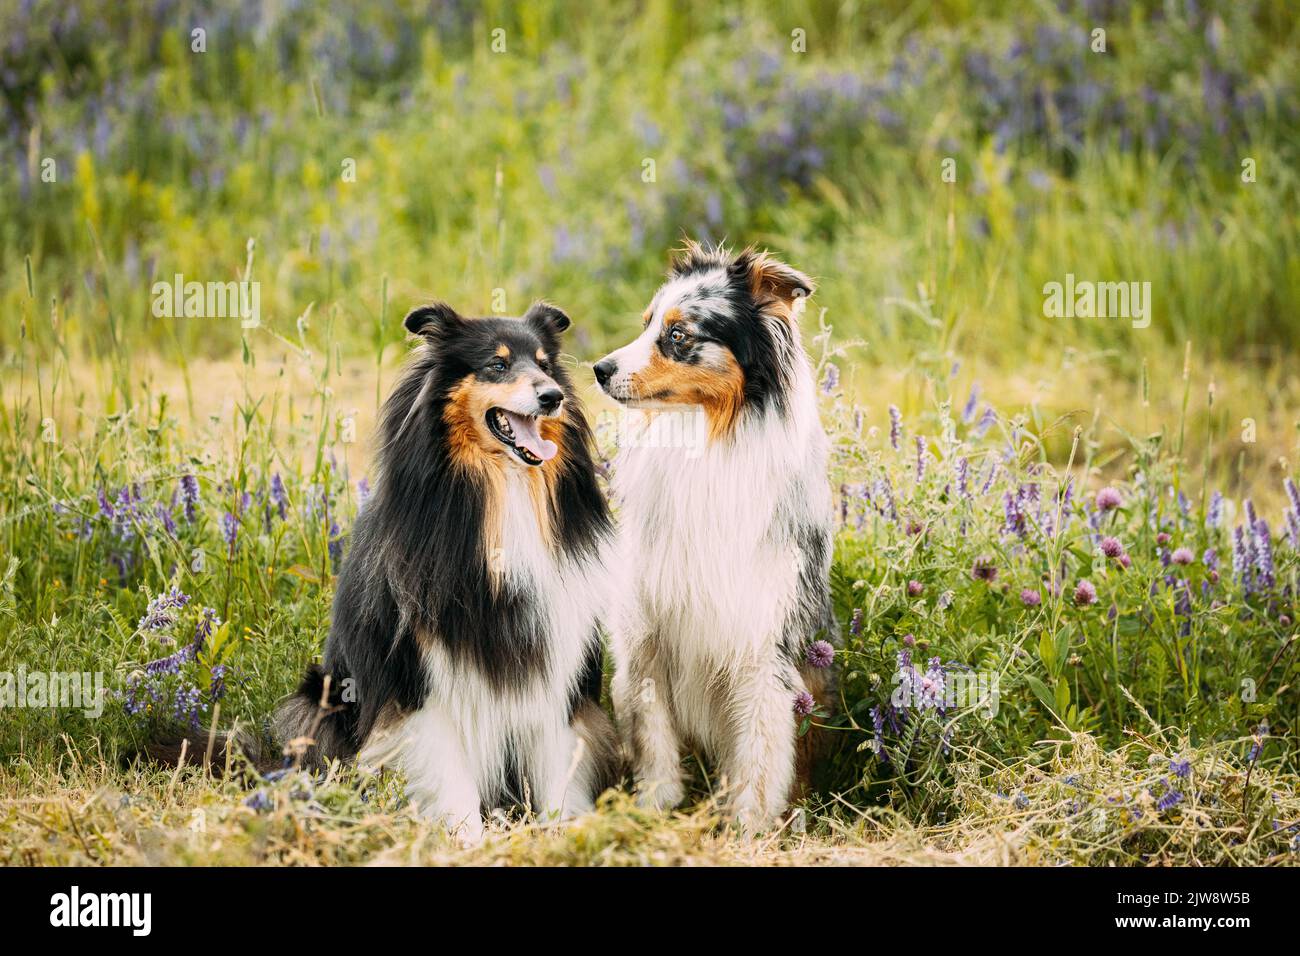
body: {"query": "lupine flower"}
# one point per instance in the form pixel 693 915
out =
pixel 878 731
pixel 820 654
pixel 1210 559
pixel 187 706
pixel 1293 513
pixel 1182 556
pixel 1030 598
pixel 163 610
pixel 1109 499
pixel 804 703
pixel 968 412
pixel 1014 522
pixel 279 497
pixel 1170 799
pixel 229 529
pixel 963 478
pixel 920 457
pixel 1264 554
pixel 1181 768
pixel 189 488
pixel 855 623
pixel 1241 558
pixel 988 482
pixel 1111 547
pixel 217 687
pixel 930 686
pixel 1214 512
pixel 1085 593
pixel 984 569
pixel 915 588
pixel 832 379
pixel 987 420
pixel 895 426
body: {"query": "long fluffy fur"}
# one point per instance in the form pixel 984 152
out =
pixel 464 646
pixel 724 541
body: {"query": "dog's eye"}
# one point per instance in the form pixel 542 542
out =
pixel 677 336
pixel 498 365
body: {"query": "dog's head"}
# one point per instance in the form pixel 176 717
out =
pixel 497 384
pixel 720 333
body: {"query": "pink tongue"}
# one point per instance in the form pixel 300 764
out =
pixel 527 436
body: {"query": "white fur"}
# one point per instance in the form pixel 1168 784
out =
pixel 710 573
pixel 452 750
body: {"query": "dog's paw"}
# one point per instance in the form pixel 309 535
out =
pixel 660 795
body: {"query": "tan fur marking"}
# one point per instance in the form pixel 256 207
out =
pixel 476 449
pixel 503 352
pixel 720 391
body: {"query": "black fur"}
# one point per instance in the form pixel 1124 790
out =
pixel 417 561
pixel 756 344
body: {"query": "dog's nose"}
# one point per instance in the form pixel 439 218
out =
pixel 549 399
pixel 604 370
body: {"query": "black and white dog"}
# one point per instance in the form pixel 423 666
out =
pixel 724 537
pixel 464 648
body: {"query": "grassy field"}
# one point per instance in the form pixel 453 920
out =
pixel 1091 515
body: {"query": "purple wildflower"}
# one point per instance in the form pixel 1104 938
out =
pixel 1264 554
pixel 987 420
pixel 1030 598
pixel 163 610
pixel 217 687
pixel 1210 559
pixel 895 426
pixel 1181 768
pixel 1111 547
pixel 279 497
pixel 968 412
pixel 920 458
pixel 1214 512
pixel 915 588
pixel 229 529
pixel 1182 556
pixel 963 479
pixel 1085 593
pixel 1108 499
pixel 804 704
pixel 1170 799
pixel 820 654
pixel 189 487
pixel 832 379
pixel 363 493
pixel 855 623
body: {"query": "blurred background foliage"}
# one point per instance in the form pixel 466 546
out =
pixel 523 170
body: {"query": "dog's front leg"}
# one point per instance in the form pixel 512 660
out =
pixel 440 779
pixel 758 757
pixel 558 773
pixel 640 691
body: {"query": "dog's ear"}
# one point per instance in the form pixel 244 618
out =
pixel 546 319
pixel 770 278
pixel 430 320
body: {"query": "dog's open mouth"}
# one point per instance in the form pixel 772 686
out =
pixel 519 433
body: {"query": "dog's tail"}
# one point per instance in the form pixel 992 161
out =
pixel 316 725
pixel 311 727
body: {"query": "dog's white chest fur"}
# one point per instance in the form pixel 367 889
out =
pixel 472 724
pixel 703 531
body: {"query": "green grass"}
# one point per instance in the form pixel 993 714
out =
pixel 523 172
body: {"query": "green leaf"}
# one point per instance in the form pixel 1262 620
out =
pixel 1041 692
